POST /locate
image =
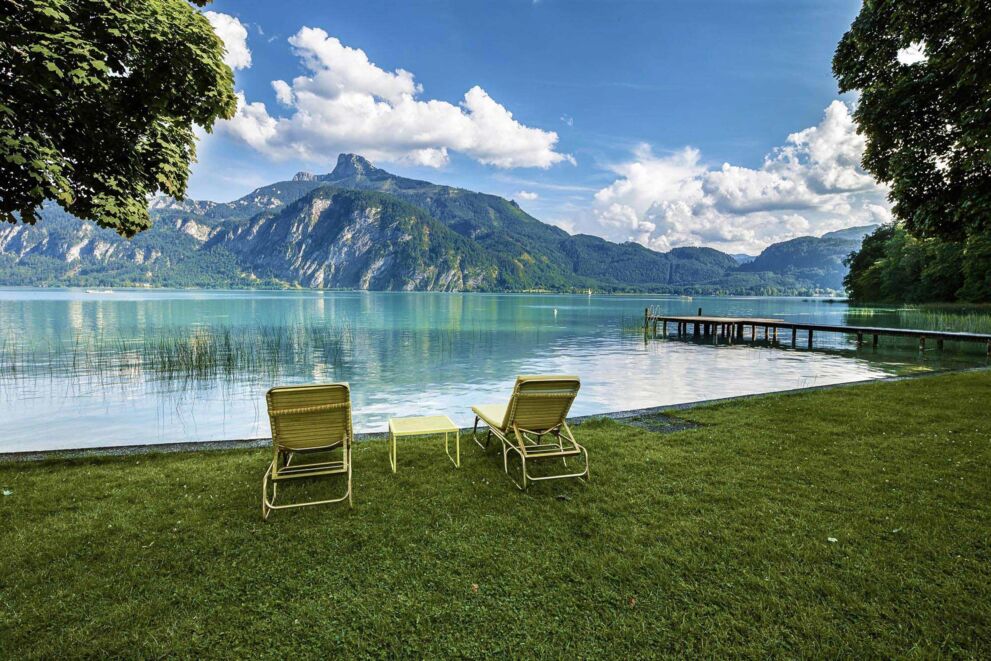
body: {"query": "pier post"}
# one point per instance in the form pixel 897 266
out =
pixel 922 343
pixel 939 344
pixel 700 312
pixel 794 336
pixel 989 348
pixel 739 331
pixel 860 339
pixel 697 329
pixel 646 314
pixel 753 333
pixel 664 327
pixel 810 338
pixel 875 340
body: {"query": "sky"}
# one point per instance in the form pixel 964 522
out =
pixel 671 123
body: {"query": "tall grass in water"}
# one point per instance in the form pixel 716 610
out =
pixel 182 353
pixel 975 319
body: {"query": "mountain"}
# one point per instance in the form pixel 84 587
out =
pixel 340 238
pixel 742 258
pixel 530 254
pixel 815 260
pixel 361 227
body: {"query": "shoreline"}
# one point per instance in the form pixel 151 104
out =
pixel 254 443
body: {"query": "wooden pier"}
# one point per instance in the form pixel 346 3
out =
pixel 734 329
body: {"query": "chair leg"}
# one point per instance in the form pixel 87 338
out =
pixel 505 465
pixel 350 502
pixel 474 435
pixel 266 507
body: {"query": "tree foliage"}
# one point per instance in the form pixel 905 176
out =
pixel 927 123
pixel 98 99
pixel 894 266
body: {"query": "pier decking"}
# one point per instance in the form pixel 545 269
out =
pixel 734 329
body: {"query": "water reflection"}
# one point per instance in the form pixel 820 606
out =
pixel 159 366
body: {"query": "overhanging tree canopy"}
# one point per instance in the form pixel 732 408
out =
pixel 927 118
pixel 98 99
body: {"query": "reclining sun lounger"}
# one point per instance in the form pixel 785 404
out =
pixel 311 421
pixel 532 425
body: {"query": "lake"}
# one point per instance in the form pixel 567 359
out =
pixel 90 368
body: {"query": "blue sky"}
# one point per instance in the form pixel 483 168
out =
pixel 667 123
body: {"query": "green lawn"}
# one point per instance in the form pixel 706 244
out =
pixel 712 541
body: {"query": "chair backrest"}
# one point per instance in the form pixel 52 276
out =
pixel 310 417
pixel 541 402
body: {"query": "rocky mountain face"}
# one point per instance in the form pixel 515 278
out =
pixel 337 238
pixel 360 227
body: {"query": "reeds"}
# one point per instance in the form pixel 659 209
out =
pixel 180 353
pixel 975 319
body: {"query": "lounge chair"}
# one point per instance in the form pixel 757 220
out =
pixel 308 421
pixel 537 408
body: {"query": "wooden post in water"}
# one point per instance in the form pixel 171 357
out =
pixel 875 340
pixel 922 343
pixel 664 327
pixel 810 338
pixel 700 312
pixel 794 336
pixel 646 314
pixel 753 333
pixel 860 339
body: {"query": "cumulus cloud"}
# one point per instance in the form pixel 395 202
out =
pixel 527 195
pixel 811 185
pixel 235 37
pixel 348 103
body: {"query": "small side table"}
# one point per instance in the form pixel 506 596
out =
pixel 422 426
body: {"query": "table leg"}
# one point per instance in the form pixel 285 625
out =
pixel 392 452
pixel 456 459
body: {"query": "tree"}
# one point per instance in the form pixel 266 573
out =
pixel 923 70
pixel 98 99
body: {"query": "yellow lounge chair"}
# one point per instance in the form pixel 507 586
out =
pixel 538 408
pixel 308 420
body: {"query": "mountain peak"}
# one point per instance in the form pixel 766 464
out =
pixel 351 165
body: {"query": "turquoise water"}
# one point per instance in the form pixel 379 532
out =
pixel 76 370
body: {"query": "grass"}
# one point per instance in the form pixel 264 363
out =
pixel 847 522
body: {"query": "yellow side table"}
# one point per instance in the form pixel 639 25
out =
pixel 422 426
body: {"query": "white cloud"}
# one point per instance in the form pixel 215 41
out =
pixel 811 185
pixel 347 103
pixel 913 53
pixel 235 37
pixel 527 195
